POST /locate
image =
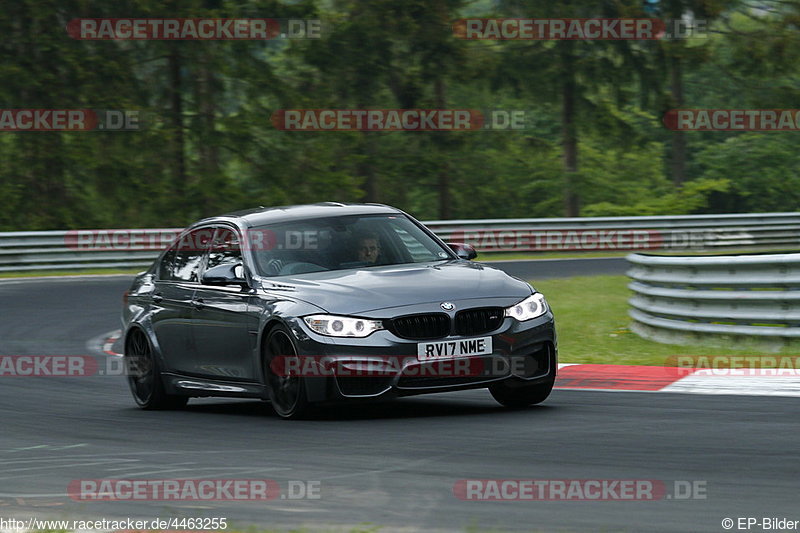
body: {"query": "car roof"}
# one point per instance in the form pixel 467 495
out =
pixel 269 215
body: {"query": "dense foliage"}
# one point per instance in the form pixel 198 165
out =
pixel 595 145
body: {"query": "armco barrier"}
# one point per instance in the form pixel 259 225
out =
pixel 684 299
pixel 685 232
pixel 81 249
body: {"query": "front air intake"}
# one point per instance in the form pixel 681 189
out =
pixel 419 327
pixel 479 321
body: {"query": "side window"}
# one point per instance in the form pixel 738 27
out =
pixel 417 250
pixel 165 266
pixel 225 249
pixel 189 253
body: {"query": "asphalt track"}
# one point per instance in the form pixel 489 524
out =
pixel 392 465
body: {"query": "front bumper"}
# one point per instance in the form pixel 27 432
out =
pixel 521 351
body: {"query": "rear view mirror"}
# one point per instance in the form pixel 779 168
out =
pixel 464 251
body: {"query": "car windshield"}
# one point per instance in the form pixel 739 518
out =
pixel 337 243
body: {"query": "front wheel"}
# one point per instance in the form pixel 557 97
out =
pixel 518 395
pixel 287 391
pixel 144 375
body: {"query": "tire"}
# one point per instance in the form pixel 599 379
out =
pixel 517 395
pixel 286 393
pixel 144 375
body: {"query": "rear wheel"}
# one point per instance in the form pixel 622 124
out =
pixel 515 394
pixel 287 390
pixel 144 375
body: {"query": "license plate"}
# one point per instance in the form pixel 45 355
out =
pixel 430 351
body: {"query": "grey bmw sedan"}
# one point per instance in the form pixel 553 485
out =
pixel 314 305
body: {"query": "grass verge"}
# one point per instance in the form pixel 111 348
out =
pixel 87 272
pixel 592 322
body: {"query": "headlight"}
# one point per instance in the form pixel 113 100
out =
pixel 531 307
pixel 342 326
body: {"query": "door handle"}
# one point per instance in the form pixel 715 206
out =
pixel 198 304
pixel 158 298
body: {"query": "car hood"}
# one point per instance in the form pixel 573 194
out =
pixel 354 291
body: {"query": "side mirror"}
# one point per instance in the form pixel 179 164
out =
pixel 464 251
pixel 230 274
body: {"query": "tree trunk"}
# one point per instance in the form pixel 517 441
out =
pixel 678 161
pixel 367 167
pixel 212 182
pixel 443 177
pixel 569 133
pixel 176 98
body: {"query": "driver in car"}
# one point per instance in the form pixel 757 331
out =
pixel 368 247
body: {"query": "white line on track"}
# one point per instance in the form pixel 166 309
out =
pixel 706 382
